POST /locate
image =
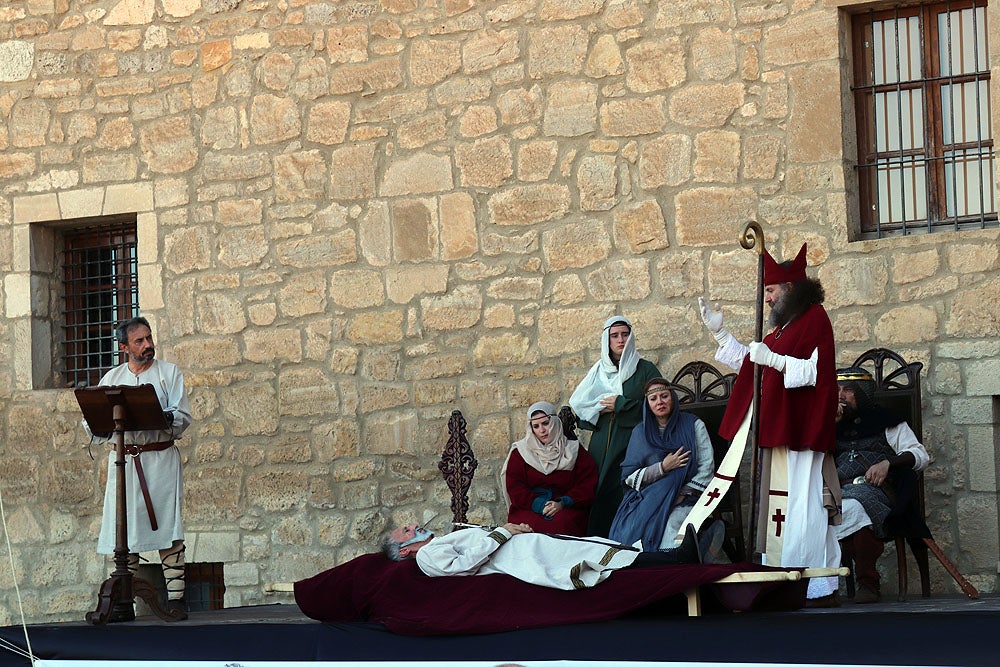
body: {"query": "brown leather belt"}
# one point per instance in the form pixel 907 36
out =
pixel 136 450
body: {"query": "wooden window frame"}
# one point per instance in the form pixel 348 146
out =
pixel 933 151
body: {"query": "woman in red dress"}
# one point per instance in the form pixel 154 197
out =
pixel 548 481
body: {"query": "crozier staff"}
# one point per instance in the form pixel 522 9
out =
pixel 608 401
pixel 153 484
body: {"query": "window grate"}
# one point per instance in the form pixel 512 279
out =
pixel 100 289
pixel 204 586
pixel 922 97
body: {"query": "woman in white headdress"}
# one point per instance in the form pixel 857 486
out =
pixel 548 481
pixel 608 402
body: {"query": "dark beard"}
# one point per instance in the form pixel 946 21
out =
pixel 795 301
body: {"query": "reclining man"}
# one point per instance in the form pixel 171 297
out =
pixel 877 454
pixel 554 561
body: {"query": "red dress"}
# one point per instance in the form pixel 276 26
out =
pixel 579 484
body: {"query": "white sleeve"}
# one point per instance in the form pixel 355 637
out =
pixel 902 439
pixel 177 401
pixel 706 458
pixel 732 353
pixel 643 477
pixel 447 558
pixel 801 372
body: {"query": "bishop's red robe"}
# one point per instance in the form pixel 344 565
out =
pixel 801 418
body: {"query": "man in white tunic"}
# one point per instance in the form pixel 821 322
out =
pixel 553 561
pixel 153 484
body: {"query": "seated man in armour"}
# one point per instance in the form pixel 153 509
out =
pixel 554 561
pixel 877 455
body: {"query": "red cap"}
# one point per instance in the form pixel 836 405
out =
pixel 774 273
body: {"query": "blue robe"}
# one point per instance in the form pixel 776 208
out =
pixel 643 514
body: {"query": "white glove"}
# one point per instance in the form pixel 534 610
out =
pixel 712 317
pixel 761 354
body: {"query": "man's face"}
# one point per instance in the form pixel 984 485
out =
pixel 661 401
pixel 414 533
pixel 140 346
pixel 616 340
pixel 773 294
pixel 847 398
pixel 541 426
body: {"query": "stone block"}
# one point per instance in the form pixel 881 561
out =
pixel 556 51
pixel 713 216
pixel 414 229
pixel 681 274
pixel 529 204
pixel 946 378
pixel 459 236
pixel 717 156
pixel 250 410
pixel 633 117
pixel 459 309
pixel 298 176
pixel 851 327
pixel 277 490
pixel 426 129
pixel 487 49
pixel 808 140
pixel 417 174
pixel 485 163
pixel 972 258
pixel 405 282
pixel 337 439
pixel 597 182
pixel 216 546
pixel 433 60
pixel 389 434
pixel 570 109
pixel 319 250
pixel 761 156
pixel 854 281
pixel 274 119
pixel 622 280
pixel 575 245
pixel 384 74
pixel 36 208
pixel 520 105
pixel 567 330
pixel 605 59
pixel 805 37
pixel 16 58
pixel 713 54
pixel 982 378
pixel 977 525
pixel 269 345
pixel 665 160
pixel 973 312
pixel 906 324
pixel 706 105
pixel 655 64
pixel 972 411
pixel 913 266
pixel 376 328
pixel 328 122
pixel 536 159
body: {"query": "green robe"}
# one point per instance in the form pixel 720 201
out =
pixel 608 443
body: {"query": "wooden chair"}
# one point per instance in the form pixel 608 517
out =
pixel 704 392
pixel 897 388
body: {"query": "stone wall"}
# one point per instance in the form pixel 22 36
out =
pixel 355 216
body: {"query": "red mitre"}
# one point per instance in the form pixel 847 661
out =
pixel 775 274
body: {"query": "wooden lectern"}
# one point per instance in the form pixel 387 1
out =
pixel 119 409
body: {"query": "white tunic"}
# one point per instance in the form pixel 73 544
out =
pixel 536 558
pixel 162 469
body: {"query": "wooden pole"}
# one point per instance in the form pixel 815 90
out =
pixel 752 238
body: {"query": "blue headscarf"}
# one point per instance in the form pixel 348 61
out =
pixel 643 514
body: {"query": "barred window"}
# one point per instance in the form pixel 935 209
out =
pixel 922 104
pixel 100 289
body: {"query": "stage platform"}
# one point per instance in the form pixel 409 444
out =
pixel 936 631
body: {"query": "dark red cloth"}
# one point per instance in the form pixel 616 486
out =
pixel 580 484
pixel 801 418
pixel 371 588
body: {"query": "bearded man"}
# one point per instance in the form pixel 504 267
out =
pixel 878 456
pixel 799 492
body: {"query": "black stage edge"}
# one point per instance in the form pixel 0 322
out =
pixel 827 637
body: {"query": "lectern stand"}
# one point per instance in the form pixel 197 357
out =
pixel 120 409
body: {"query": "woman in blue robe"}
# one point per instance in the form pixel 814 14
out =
pixel 667 465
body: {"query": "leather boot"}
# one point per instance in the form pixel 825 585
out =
pixel 867 547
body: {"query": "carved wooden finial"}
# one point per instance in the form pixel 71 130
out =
pixel 458 466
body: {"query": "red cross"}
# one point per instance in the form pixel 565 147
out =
pixel 778 518
pixel 712 495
